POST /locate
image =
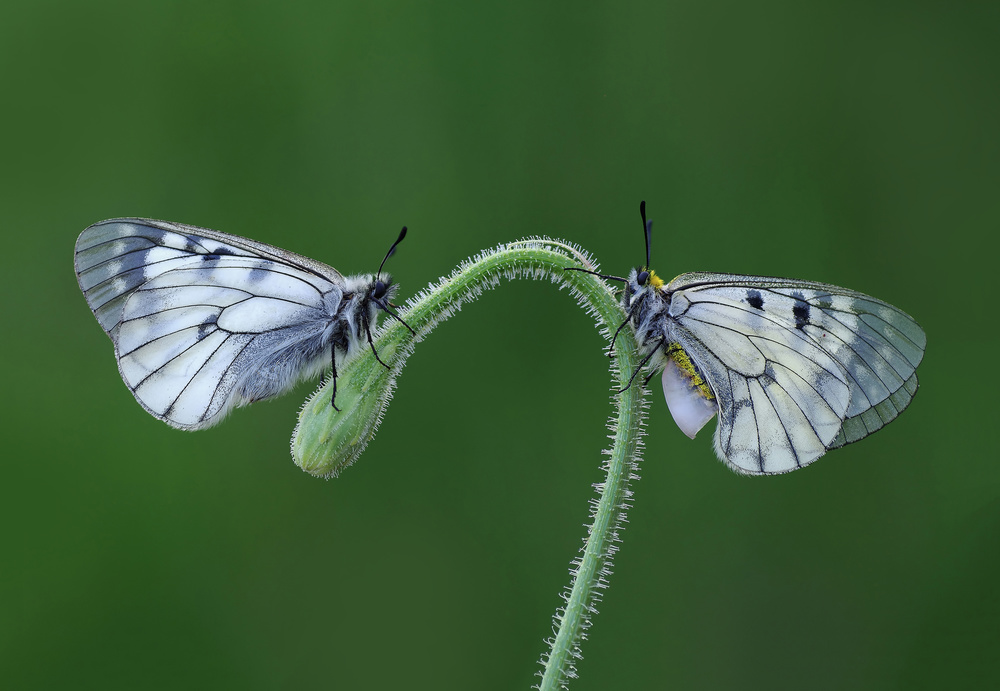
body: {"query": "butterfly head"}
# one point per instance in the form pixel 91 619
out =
pixel 381 288
pixel 642 285
pixel 647 278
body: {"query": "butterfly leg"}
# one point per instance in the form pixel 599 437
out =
pixel 611 347
pixel 368 332
pixel 641 365
pixel 628 318
pixel 645 382
pixel 385 308
pixel 333 366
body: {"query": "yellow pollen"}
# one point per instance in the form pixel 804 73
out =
pixel 677 354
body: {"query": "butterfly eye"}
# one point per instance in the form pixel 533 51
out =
pixel 643 278
pixel 379 289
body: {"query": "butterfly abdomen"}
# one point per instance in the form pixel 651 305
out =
pixel 302 357
pixel 691 372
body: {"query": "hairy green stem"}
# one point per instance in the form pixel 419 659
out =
pixel 326 441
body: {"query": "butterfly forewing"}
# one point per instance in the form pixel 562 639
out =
pixel 798 367
pixel 115 257
pixel 201 320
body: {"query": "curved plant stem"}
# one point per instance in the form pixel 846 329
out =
pixel 326 441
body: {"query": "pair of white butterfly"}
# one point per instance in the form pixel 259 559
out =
pixel 203 321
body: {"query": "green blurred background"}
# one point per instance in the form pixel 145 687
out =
pixel 854 143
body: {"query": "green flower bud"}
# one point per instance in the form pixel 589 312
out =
pixel 327 440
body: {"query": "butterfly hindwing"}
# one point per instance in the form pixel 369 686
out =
pixel 781 397
pixel 190 338
pixel 203 321
pixel 797 367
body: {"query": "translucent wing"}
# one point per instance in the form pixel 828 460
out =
pixel 203 321
pixel 115 257
pixel 798 367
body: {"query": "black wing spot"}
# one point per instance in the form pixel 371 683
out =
pixel 801 310
pixel 213 255
pixel 769 372
pixel 755 299
pixel 260 272
pixel 741 404
pixel 154 235
pixel 207 327
pixel 216 253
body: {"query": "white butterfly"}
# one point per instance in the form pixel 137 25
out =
pixel 793 368
pixel 203 321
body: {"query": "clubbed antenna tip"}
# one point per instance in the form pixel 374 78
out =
pixel 392 250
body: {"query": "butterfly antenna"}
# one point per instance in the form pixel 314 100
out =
pixel 647 228
pixel 594 273
pixel 392 250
